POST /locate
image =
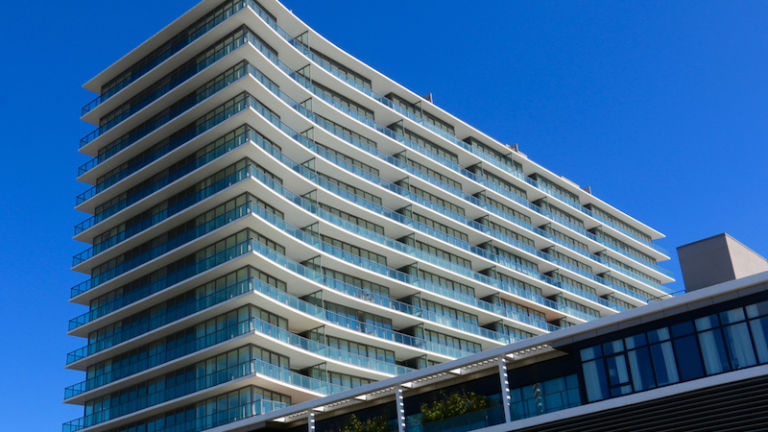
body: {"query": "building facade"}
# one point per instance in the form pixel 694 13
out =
pixel 272 221
pixel 695 362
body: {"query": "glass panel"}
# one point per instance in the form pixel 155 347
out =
pixel 617 370
pixel 618 375
pixel 595 380
pixel 733 315
pixel 707 322
pixel 664 363
pixel 713 351
pixel 641 368
pixel 760 337
pixel 613 347
pixel 682 329
pixel 739 345
pixel 591 353
pixel 633 342
pixel 757 309
pixel 688 358
pixel 658 335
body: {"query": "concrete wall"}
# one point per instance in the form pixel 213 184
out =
pixel 717 259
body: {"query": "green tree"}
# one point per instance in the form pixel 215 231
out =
pixel 375 424
pixel 452 405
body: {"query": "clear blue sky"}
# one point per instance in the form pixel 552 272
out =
pixel 660 106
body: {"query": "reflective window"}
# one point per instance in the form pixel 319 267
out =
pixel 543 397
pixel 618 375
pixel 759 329
pixel 642 375
pixel 739 345
pixel 713 352
pixel 688 358
pixel 594 380
pixel 686 350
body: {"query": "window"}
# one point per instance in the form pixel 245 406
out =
pixel 544 397
pixel 433 224
pixel 683 351
pixel 424 143
pixel 511 190
pixel 416 166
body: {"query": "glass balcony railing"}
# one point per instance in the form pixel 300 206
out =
pixel 106 342
pixel 555 283
pixel 470 327
pixel 276 152
pixel 150 221
pixel 626 251
pixel 179 389
pixel 202 422
pixel 204 123
pixel 157 320
pixel 239 329
pixel 309 174
pixel 302 48
pixel 384 333
pixel 256 285
pixel 239 288
pixel 254 40
pixel 169 245
pixel 170 82
pixel 106 308
pixel 385 271
pixel 162 283
pixel 389 213
pixel 181 273
pixel 397 245
pixel 179 42
pixel 331 128
pixel 155 218
pixel 152 187
pixel 576 312
pixel 390 159
pixel 308 308
pixel 159 120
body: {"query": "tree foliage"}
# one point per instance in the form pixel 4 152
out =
pixel 452 405
pixel 375 424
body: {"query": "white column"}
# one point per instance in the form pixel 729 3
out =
pixel 505 398
pixel 400 410
pixel 311 422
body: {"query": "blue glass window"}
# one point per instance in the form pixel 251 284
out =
pixel 759 329
pixel 658 335
pixel 682 329
pixel 613 347
pixel 713 351
pixel 685 350
pixel 732 316
pixel 591 353
pixel 595 380
pixel 739 345
pixel 664 363
pixel 688 357
pixel 641 369
pixel 618 375
pixel 548 396
pixel 635 341
pixel 757 309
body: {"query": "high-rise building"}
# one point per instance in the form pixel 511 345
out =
pixel 273 221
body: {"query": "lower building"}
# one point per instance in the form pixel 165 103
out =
pixel 698 361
